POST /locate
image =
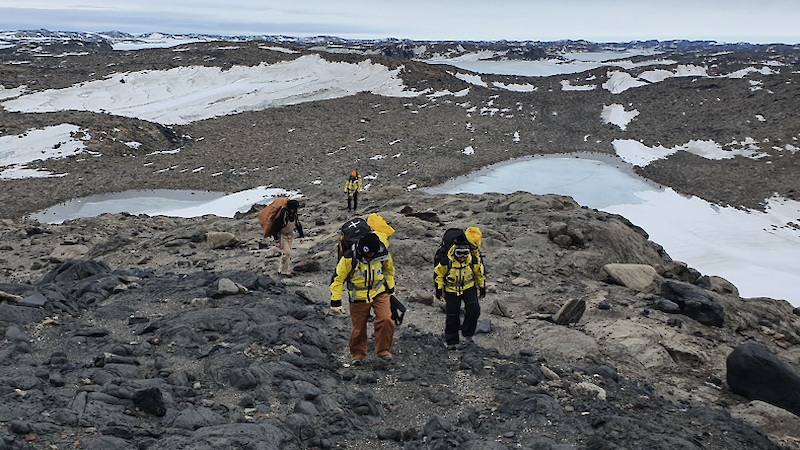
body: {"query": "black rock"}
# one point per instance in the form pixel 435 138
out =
pixel 755 373
pixel 150 401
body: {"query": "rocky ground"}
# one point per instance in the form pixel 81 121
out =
pixel 126 331
pixel 142 314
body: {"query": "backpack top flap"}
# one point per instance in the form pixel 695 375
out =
pixel 379 225
pixel 352 230
pixel 474 236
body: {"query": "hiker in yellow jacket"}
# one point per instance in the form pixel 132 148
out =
pixel 368 275
pixel 460 279
pixel 352 187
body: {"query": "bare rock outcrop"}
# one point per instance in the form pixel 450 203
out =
pixel 229 346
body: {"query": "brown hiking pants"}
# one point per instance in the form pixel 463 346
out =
pixel 383 327
pixel 285 264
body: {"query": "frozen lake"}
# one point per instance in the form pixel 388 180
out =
pixel 593 180
pixel 160 202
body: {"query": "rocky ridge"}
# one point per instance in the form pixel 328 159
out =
pixel 157 332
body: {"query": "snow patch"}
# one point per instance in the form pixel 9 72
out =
pixel 566 86
pixel 186 94
pixel 38 145
pixel 616 114
pixel 619 82
pixel 638 154
pixel 471 79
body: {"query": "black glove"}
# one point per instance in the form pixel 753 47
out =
pixel 482 290
pixel 438 293
pixel 390 291
pixel 398 310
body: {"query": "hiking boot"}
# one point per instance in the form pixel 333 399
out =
pixel 451 346
pixel 468 339
pixel 386 358
pixel 356 362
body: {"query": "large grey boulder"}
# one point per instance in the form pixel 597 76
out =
pixel 221 239
pixel 64 253
pixel 639 277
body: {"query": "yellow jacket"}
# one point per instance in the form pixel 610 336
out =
pixel 353 185
pixel 367 281
pixel 457 277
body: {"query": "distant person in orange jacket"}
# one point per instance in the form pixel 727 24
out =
pixel 352 187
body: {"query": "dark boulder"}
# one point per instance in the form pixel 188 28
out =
pixel 694 302
pixel 75 270
pixel 757 374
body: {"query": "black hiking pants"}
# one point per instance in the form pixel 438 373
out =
pixel 472 310
pixel 354 199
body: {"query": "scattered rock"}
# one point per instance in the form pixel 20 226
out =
pixel 227 287
pixel 521 282
pixel 571 312
pixel 768 418
pixel 584 388
pixel 639 277
pixel 151 401
pixel 9 297
pixel 64 253
pixel 694 302
pixel 221 239
pixel 718 284
pixel 499 308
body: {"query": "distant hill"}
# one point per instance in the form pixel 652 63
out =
pixel 398 48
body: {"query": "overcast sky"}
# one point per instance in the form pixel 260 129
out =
pixel 755 21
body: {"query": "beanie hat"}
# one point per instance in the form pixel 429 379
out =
pixel 369 243
pixel 292 204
